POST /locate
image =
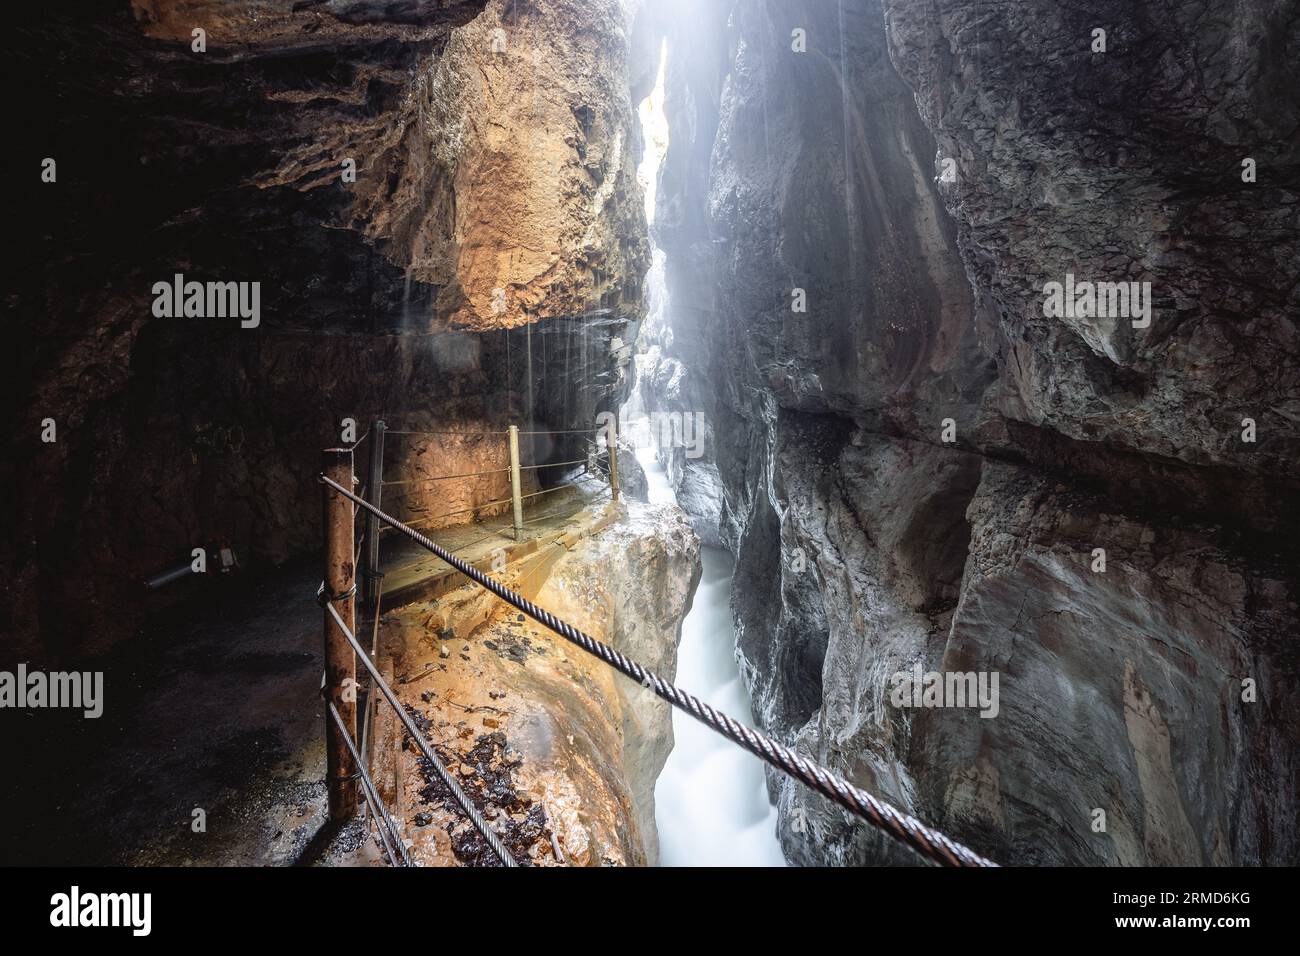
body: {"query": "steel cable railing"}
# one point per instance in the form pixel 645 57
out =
pixel 458 794
pixel 421 522
pixel 395 431
pixel 930 843
pixel 505 526
pixel 553 464
pixel 423 481
pixel 424 522
pixel 562 431
pixel 387 830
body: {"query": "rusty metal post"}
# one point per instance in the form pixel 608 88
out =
pixel 340 660
pixel 375 482
pixel 514 482
pixel 611 442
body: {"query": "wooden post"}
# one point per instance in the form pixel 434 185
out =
pixel 514 482
pixel 340 659
pixel 611 442
pixel 375 482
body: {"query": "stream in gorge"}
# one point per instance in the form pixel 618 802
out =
pixel 711 806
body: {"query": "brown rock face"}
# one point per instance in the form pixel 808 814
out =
pixel 521 155
pixel 559 750
pixel 506 181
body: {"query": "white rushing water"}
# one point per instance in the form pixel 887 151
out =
pixel 711 806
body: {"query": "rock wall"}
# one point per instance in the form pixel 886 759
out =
pixel 483 267
pixel 916 471
pixel 561 752
pixel 1127 164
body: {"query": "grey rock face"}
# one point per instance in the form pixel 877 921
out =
pixel 699 493
pixel 778 181
pixel 1122 689
pixel 653 561
pixel 1127 165
pixel 867 545
pixel 632 480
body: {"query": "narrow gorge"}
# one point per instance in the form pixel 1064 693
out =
pixel 653 433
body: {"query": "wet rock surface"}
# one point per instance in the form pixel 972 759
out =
pixel 559 751
pixel 866 543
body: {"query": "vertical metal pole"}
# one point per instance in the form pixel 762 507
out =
pixel 514 482
pixel 375 483
pixel 340 660
pixel 611 442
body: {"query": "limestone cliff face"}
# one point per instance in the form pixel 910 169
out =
pixel 493 191
pixel 866 544
pixel 494 163
pixel 560 751
pixel 526 133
